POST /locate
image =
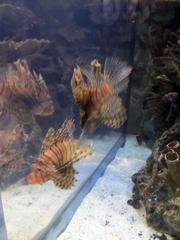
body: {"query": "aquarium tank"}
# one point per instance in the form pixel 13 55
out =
pixel 89 119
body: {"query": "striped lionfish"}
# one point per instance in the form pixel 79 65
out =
pixel 97 93
pixel 58 153
pixel 23 91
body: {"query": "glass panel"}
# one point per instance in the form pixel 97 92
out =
pixel 2 223
pixel 54 38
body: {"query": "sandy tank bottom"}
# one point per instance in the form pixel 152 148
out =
pixel 104 213
pixel 28 209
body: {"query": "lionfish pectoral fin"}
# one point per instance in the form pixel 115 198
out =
pixel 80 154
pixel 65 175
pixel 65 178
pixel 113 113
pixel 116 72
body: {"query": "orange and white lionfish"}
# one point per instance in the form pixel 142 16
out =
pixel 97 92
pixel 23 91
pixel 58 153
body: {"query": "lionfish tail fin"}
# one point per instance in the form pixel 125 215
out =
pixel 53 136
pixel 65 179
pixel 116 72
pixel 113 113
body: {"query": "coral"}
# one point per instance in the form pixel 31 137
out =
pixel 11 50
pixel 157 184
pixel 173 165
pixel 162 98
pixel 167 136
pixel 31 46
pixel 172 220
pixel 156 66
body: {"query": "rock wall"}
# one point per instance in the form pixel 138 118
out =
pixel 156 97
pixel 156 71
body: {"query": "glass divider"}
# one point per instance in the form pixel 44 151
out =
pixel 3 232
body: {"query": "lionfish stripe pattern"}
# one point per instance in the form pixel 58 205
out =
pixel 96 92
pixel 58 153
pixel 113 117
pixel 17 82
pixel 116 73
pixel 53 136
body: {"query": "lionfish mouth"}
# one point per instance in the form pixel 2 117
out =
pixel 31 179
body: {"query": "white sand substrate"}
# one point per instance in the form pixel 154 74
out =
pixel 104 214
pixel 28 209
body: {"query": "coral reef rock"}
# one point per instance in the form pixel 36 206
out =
pixel 157 185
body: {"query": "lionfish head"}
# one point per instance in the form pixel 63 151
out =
pixel 37 175
pixel 95 63
pixel 77 78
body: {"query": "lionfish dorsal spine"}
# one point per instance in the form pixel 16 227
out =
pixel 48 140
pixel 116 73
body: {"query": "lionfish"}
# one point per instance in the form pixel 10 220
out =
pixel 98 93
pixel 11 154
pixel 23 91
pixel 58 153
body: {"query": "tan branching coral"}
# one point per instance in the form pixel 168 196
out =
pixel 11 50
pixel 30 46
